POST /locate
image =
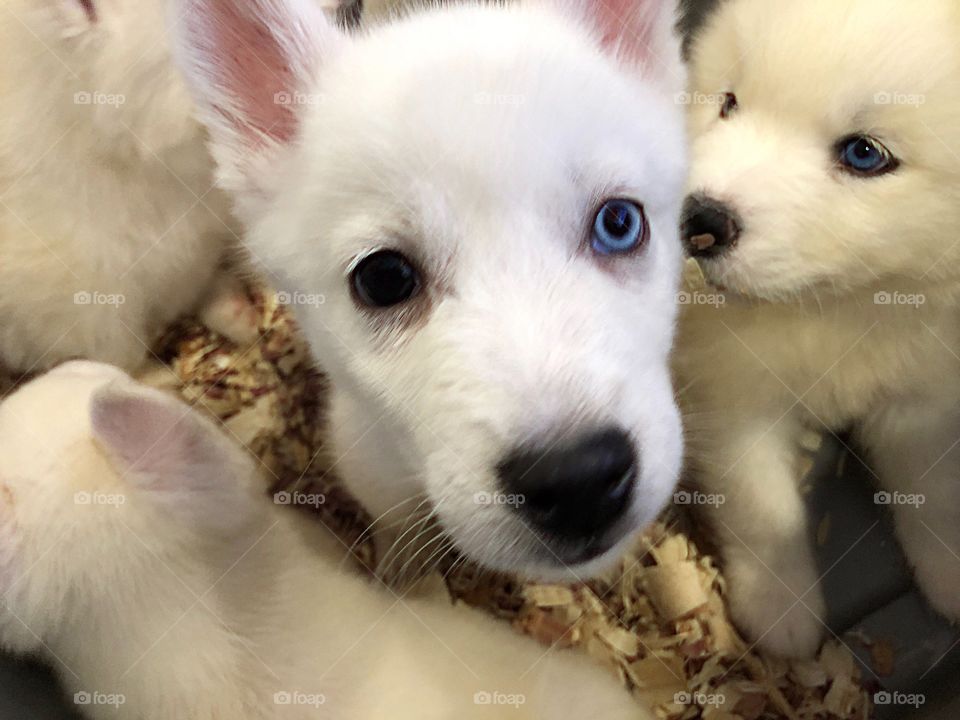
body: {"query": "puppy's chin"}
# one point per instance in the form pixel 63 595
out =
pixel 738 277
pixel 559 570
pixel 734 280
pixel 545 560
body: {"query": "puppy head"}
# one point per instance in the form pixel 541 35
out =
pixel 105 486
pixel 486 200
pixel 825 145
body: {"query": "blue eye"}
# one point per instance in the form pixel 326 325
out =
pixel 863 155
pixel 620 227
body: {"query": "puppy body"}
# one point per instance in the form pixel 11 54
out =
pixel 110 225
pixel 141 558
pixel 838 299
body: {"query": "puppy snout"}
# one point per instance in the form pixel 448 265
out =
pixel 710 227
pixel 577 490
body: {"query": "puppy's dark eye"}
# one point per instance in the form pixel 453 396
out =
pixel 730 105
pixel 865 156
pixel 384 279
pixel 619 227
pixel 90 9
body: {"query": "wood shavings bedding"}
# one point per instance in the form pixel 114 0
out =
pixel 658 622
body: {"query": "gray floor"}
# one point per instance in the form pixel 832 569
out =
pixel 872 598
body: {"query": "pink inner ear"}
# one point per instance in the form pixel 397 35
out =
pixel 629 26
pixel 254 69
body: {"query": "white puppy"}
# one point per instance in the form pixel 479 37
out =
pixel 110 226
pixel 826 194
pixel 139 555
pixel 487 199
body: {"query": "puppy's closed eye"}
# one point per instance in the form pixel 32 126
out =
pixel 90 9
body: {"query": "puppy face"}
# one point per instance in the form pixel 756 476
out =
pixel 106 485
pixel 825 145
pixel 453 186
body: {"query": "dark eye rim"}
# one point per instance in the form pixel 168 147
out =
pixel 730 105
pixel 891 164
pixel 359 297
pixel 642 242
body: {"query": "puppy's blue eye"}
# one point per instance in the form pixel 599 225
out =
pixel 619 228
pixel 863 155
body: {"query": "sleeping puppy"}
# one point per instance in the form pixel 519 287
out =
pixel 140 556
pixel 110 225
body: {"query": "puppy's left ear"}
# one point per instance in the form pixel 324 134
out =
pixel 644 33
pixel 172 456
pixel 247 63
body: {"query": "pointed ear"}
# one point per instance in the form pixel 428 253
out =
pixel 644 33
pixel 247 62
pixel 179 459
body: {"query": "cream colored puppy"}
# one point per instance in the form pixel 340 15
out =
pixel 825 200
pixel 110 226
pixel 140 557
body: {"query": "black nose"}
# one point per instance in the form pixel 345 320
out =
pixel 576 491
pixel 709 226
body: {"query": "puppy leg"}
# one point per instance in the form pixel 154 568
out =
pixel 227 310
pixel 915 449
pixel 773 588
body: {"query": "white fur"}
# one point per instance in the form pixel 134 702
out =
pixel 140 557
pixel 479 140
pixel 801 341
pixel 105 187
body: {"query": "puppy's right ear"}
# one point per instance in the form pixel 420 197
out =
pixel 246 61
pixel 642 33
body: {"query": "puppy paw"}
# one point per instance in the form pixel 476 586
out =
pixel 230 312
pixel 778 609
pixel 934 553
